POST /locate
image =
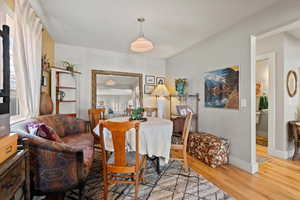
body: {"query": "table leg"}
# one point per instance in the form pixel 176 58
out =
pixel 155 162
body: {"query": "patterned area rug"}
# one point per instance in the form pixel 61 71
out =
pixel 172 184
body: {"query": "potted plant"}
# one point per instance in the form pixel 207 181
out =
pixel 69 66
pixel 137 114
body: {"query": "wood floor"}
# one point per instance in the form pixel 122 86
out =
pixel 277 179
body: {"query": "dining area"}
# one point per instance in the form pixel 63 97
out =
pixel 130 147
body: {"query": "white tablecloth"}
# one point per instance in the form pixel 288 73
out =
pixel 155 137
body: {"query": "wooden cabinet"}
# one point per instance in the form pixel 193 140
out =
pixel 14 176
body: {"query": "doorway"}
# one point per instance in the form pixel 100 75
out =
pixel 265 104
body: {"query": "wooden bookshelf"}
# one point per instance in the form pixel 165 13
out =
pixel 65 81
pixel 66 101
pixel 65 87
pixel 63 70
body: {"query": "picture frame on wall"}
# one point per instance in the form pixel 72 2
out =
pixel 150 80
pixel 160 80
pixel 226 82
pixel 148 88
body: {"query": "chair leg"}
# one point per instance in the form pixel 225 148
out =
pixel 105 183
pixel 81 191
pixel 144 170
pixel 185 162
pixel 296 148
pixel 55 196
pixel 137 186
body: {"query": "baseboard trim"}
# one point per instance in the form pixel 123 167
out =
pixel 251 168
pixel 280 154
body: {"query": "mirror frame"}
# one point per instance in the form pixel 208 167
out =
pixel 104 72
pixel 290 74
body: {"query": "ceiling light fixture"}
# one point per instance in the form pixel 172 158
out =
pixel 141 44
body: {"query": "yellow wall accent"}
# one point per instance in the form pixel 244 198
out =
pixel 48 49
pixel 11 4
pixel 48 46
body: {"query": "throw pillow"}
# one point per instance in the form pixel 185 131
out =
pixel 44 131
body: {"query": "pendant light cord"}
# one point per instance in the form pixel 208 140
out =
pixel 141 20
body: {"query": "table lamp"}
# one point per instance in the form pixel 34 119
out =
pixel 160 92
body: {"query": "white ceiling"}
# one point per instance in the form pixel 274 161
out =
pixel 295 33
pixel 173 25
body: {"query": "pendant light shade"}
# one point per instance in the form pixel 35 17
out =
pixel 141 44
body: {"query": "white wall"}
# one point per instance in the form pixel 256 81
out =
pixel 231 47
pixel 87 59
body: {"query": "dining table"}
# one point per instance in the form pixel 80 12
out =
pixel 155 138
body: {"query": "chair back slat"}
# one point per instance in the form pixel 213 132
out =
pixel 119 131
pixel 186 128
pixel 95 115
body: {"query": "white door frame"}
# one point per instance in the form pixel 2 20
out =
pixel 254 164
pixel 272 89
pixel 271 57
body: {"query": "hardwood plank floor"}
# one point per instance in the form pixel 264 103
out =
pixel 277 179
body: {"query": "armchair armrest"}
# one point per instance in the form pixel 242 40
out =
pixel 55 167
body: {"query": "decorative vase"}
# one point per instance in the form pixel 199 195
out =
pixel 180 85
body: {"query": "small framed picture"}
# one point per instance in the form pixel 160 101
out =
pixel 150 79
pixel 160 80
pixel 44 81
pixel 148 88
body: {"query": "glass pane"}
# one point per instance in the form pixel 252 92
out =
pixel 117 94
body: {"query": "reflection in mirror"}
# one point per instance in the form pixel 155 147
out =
pixel 117 93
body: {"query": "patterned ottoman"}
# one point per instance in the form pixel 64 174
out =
pixel 208 148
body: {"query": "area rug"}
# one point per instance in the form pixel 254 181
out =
pixel 172 184
pixel 262 159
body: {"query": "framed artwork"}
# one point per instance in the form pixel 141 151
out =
pixel 222 88
pixel 148 88
pixel 160 80
pixel 150 79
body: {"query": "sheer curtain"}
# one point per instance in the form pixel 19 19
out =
pixel 27 58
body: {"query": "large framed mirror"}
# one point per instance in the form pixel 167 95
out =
pixel 292 83
pixel 117 92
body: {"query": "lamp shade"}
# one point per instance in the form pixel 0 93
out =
pixel 160 91
pixel 141 44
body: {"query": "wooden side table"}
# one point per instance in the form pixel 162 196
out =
pixel 14 175
pixel 295 130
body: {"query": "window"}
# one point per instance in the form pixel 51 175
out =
pixel 14 102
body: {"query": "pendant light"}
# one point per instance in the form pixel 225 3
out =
pixel 141 44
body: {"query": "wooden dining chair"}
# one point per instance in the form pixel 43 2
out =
pixel 95 115
pixel 181 144
pixel 150 112
pixel 121 162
